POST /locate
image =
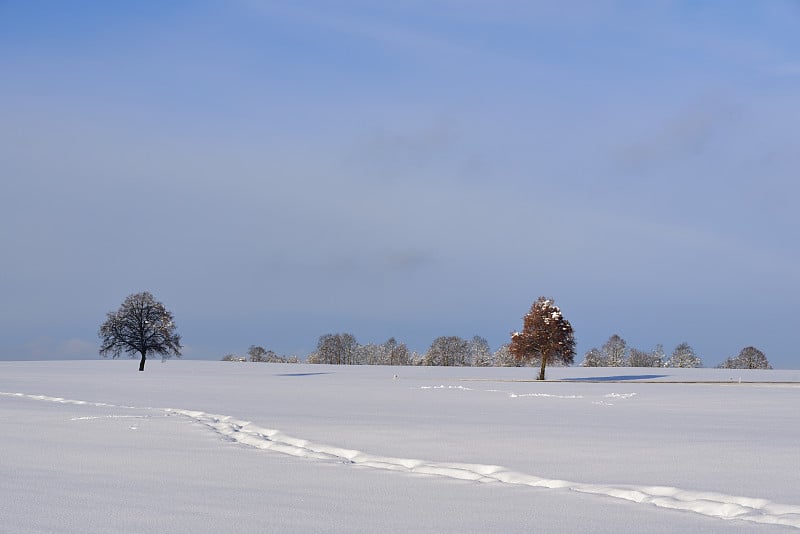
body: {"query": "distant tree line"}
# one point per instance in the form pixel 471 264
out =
pixel 343 349
pixel 616 353
pixel 546 338
pixel 454 351
pixel 257 353
pixel 144 326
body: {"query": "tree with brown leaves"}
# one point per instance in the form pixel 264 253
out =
pixel 545 334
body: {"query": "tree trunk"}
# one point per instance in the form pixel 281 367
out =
pixel 544 363
pixel 141 363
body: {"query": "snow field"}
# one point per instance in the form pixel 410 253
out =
pixel 358 419
pixel 707 503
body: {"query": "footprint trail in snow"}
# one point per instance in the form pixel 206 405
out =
pixel 711 504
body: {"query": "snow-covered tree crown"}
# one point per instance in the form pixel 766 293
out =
pixel 545 334
pixel 748 358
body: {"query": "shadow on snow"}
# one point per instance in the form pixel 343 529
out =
pixel 613 378
pixel 302 374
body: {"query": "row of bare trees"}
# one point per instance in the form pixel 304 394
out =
pixel 444 351
pixel 257 353
pixel 344 349
pixel 616 353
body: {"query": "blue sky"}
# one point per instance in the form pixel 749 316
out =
pixel 274 171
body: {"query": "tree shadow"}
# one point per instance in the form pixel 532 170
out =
pixel 302 374
pixel 618 378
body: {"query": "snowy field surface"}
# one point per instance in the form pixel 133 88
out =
pixel 202 447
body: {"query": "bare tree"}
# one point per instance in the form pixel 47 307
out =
pixel 397 353
pixel 257 353
pixel 615 351
pixel 480 353
pixel 545 334
pixel 336 349
pixel 141 325
pixel 748 358
pixel 659 356
pixel 370 354
pixel 447 350
pixel 594 357
pixel 641 358
pixel 683 356
pixel 504 358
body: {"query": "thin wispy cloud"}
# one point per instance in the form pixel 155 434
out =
pixel 686 134
pixel 366 22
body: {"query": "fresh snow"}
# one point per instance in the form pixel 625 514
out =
pixel 193 446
